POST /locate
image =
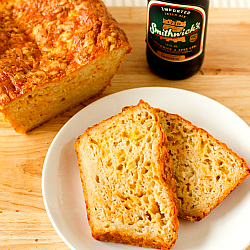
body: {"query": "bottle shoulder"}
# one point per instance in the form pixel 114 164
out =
pixel 202 3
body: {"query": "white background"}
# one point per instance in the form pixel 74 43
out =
pixel 213 3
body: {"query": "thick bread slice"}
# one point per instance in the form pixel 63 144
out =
pixel 126 191
pixel 206 170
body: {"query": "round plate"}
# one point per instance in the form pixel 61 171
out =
pixel 226 227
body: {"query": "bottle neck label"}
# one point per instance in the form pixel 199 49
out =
pixel 175 32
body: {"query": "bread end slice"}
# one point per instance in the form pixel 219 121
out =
pixel 128 195
pixel 206 170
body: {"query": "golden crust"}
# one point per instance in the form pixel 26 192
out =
pixel 43 41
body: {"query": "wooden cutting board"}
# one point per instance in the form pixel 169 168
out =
pixel 224 77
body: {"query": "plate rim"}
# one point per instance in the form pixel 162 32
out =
pixel 127 91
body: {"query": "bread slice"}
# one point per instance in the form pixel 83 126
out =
pixel 54 55
pixel 206 170
pixel 129 198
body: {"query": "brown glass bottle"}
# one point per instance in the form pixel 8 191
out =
pixel 176 36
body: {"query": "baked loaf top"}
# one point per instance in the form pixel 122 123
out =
pixel 129 198
pixel 43 41
pixel 206 170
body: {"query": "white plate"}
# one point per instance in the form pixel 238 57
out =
pixel 226 227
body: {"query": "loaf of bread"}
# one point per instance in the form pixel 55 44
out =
pixel 55 54
pixel 129 198
pixel 206 170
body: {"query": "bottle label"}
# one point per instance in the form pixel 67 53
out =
pixel 175 32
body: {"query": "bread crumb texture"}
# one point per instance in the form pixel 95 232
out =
pixel 121 162
pixel 206 170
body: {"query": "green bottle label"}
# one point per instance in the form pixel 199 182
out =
pixel 175 32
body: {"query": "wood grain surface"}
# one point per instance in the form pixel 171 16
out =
pixel 224 77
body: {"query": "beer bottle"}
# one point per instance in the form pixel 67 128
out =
pixel 176 35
